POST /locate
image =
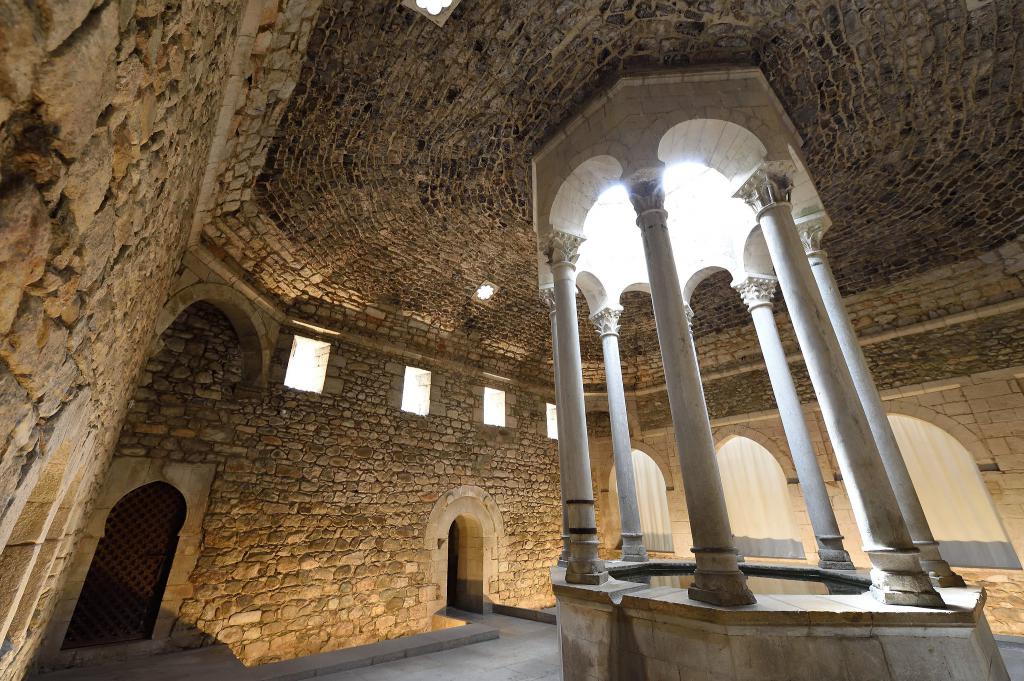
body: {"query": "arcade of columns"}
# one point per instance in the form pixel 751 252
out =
pixel 903 553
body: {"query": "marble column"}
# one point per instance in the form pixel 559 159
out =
pixel 548 296
pixel 717 579
pixel 584 565
pixel 757 294
pixel 938 569
pixel 606 321
pixel 896 575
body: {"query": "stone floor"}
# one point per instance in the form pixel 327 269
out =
pixel 526 651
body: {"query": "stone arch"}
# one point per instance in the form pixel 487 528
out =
pixel 193 481
pixel 724 145
pixel 478 510
pixel 253 336
pixel 957 503
pixel 968 438
pixel 758 499
pixel 693 280
pixel 652 496
pixel 781 453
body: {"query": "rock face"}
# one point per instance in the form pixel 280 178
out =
pixel 314 534
pixel 104 128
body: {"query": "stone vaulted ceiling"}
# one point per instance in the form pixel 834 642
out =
pixel 399 173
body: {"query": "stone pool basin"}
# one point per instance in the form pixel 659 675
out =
pixel 624 630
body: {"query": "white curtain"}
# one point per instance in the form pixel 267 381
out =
pixel 959 509
pixel 757 500
pixel 652 500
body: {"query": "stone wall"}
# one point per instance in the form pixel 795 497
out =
pixel 314 535
pixel 985 412
pixel 105 122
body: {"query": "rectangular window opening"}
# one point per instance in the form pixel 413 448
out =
pixel 494 407
pixel 416 391
pixel 307 364
pixel 552 421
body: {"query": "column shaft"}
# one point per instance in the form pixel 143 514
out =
pixel 584 565
pixel 606 321
pixel 831 552
pixel 549 297
pixel 881 430
pixel 717 578
pixel 897 576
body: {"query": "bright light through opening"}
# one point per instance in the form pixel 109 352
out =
pixel 486 291
pixel 494 407
pixel 435 7
pixel 307 364
pixel 552 414
pixel 416 391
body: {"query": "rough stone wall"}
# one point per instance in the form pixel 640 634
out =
pixel 314 536
pixel 985 412
pixel 105 121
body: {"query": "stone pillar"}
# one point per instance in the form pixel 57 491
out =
pixel 584 565
pixel 896 576
pixel 606 322
pixel 757 294
pixel 938 569
pixel 548 296
pixel 717 579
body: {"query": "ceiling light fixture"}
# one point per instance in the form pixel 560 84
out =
pixel 435 7
pixel 485 291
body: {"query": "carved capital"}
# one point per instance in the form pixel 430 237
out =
pixel 770 184
pixel 606 321
pixel 563 248
pixel 647 195
pixel 547 296
pixel 811 230
pixel 688 311
pixel 756 290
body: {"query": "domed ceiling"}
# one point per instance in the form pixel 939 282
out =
pixel 399 174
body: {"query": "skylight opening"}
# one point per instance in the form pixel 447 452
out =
pixel 307 364
pixel 434 7
pixel 416 391
pixel 494 407
pixel 552 414
pixel 485 291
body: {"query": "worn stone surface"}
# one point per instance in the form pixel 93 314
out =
pixel 319 506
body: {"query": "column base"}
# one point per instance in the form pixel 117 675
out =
pixel 633 550
pixel 718 580
pixel 898 579
pixel 935 565
pixel 584 566
pixel 834 559
pixel 563 558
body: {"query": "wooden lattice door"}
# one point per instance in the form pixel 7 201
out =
pixel 120 599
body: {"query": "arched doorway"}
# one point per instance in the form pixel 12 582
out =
pixel 758 501
pixel 956 503
pixel 652 500
pixel 465 565
pixel 121 596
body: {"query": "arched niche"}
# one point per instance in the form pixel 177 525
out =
pixel 254 336
pixel 956 503
pixel 758 501
pixel 192 481
pixel 478 515
pixel 120 599
pixel 652 499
